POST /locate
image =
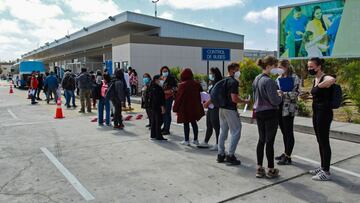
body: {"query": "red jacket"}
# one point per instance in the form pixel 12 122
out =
pixel 34 83
pixel 188 101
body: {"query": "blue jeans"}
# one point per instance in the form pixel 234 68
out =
pixel 167 115
pixel 104 102
pixel 33 97
pixel 69 94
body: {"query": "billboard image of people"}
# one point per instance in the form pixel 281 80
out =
pixel 319 29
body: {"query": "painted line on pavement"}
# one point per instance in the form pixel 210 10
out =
pixel 178 124
pixel 332 167
pixel 70 177
pixel 12 114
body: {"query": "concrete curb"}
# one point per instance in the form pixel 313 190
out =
pixel 339 135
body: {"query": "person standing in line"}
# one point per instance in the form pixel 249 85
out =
pixel 145 97
pixel 52 84
pixel 117 93
pixel 289 85
pixel 68 84
pixel 104 102
pixel 33 87
pixel 157 103
pixel 84 84
pixel 46 89
pixel 322 115
pixel 128 87
pixel 134 82
pixel 169 85
pixel 40 85
pixel 229 117
pixel 212 115
pixel 267 99
pixel 188 105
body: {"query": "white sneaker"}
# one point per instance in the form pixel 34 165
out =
pixel 315 171
pixel 322 176
pixel 186 143
pixel 214 148
pixel 195 142
pixel 203 145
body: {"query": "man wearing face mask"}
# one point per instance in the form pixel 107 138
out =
pixel 229 117
pixel 169 85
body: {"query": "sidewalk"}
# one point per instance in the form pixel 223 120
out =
pixel 339 130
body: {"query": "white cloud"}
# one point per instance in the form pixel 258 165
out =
pixel 271 31
pixel 9 26
pixel 52 29
pixel 137 11
pixel 268 14
pixel 201 4
pixel 92 11
pixel 167 15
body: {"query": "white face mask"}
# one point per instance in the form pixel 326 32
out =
pixel 277 71
pixel 237 75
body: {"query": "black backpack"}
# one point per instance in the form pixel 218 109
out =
pixel 336 97
pixel 218 93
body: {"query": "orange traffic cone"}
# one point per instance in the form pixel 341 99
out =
pixel 59 114
pixel 11 88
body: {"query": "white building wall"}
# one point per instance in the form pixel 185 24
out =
pixel 120 54
pixel 150 58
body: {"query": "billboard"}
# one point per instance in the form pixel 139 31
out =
pixel 329 28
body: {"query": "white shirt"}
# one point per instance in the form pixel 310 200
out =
pixel 127 79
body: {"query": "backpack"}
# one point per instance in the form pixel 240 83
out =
pixel 104 89
pixel 336 97
pixel 218 93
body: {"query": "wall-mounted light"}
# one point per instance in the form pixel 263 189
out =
pixel 111 18
pixel 47 44
pixel 56 41
pixel 67 36
pixel 84 28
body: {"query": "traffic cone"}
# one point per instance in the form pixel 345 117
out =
pixel 11 88
pixel 59 114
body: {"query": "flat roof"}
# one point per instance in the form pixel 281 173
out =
pixel 101 33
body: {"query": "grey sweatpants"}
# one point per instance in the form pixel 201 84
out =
pixel 229 120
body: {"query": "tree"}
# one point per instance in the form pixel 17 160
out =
pixel 1 71
pixel 249 70
pixel 350 76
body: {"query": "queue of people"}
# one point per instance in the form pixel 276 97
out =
pixel 275 106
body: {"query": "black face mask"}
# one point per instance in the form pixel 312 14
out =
pixel 312 72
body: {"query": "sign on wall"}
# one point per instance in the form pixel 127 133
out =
pixel 215 54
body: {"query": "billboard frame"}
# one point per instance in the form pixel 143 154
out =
pixel 279 32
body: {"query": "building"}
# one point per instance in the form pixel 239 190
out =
pixel 256 54
pixel 6 69
pixel 144 42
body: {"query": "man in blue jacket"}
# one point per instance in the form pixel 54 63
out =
pixel 51 84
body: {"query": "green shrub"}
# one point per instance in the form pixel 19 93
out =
pixel 249 70
pixel 350 74
pixel 349 114
pixel 303 110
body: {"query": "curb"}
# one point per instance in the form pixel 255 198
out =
pixel 338 135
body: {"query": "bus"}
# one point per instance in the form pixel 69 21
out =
pixel 24 70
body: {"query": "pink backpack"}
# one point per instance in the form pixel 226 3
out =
pixel 104 89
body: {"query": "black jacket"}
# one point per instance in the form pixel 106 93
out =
pixel 157 97
pixel 68 83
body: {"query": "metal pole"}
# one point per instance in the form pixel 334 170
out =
pixel 223 68
pixel 207 71
pixel 155 2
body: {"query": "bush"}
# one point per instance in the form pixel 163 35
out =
pixel 176 71
pixel 349 114
pixel 303 110
pixel 249 70
pixel 351 75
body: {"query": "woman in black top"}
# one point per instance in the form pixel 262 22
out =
pixel 322 115
pixel 157 100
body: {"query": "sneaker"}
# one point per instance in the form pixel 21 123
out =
pixel 118 127
pixel 260 172
pixel 232 160
pixel 315 171
pixel 186 143
pixel 278 158
pixel 148 126
pixel 81 111
pixel 68 106
pixel 274 173
pixel 214 148
pixel 74 106
pixel 285 161
pixel 101 124
pixel 221 158
pixel 33 103
pixel 165 133
pixel 195 142
pixel 161 139
pixel 203 145
pixel 322 176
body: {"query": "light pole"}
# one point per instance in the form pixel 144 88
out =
pixel 155 2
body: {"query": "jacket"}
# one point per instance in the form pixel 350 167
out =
pixel 117 91
pixel 145 97
pixel 188 100
pixel 51 82
pixel 84 81
pixel 157 97
pixel 68 83
pixel 170 84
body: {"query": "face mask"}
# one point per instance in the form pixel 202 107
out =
pixel 161 83
pixel 211 77
pixel 165 74
pixel 237 75
pixel 277 71
pixel 312 72
pixel 146 81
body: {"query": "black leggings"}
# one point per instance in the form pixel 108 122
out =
pixel 322 119
pixel 156 121
pixel 117 114
pixel 286 124
pixel 187 130
pixel 212 123
pixel 267 122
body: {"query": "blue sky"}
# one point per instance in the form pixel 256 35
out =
pixel 28 24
